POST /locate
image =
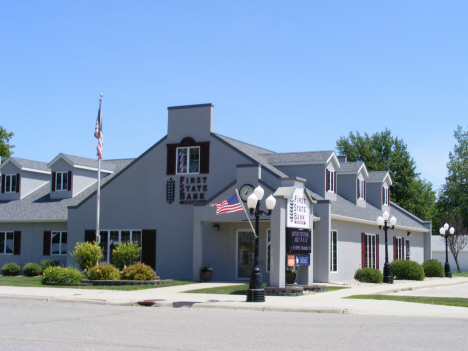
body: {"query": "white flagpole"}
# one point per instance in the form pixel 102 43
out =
pixel 98 197
pixel 240 201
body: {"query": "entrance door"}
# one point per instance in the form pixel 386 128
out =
pixel 245 254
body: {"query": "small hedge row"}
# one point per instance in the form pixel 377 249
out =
pixel 409 270
pixel 30 269
pixel 433 268
pixel 369 275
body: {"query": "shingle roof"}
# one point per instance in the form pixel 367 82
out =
pixel 350 166
pixel 310 156
pixel 39 205
pixel 377 175
pixel 40 166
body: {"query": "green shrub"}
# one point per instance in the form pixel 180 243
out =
pixel 138 271
pixel 126 254
pixel 49 263
pixel 32 269
pixel 433 268
pixel 87 254
pixel 368 275
pixel 61 275
pixel 103 272
pixel 410 270
pixel 11 268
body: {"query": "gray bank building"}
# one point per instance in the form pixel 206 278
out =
pixel 163 201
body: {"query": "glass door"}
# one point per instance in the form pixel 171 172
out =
pixel 245 254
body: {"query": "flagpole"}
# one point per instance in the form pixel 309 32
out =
pixel 98 205
pixel 240 201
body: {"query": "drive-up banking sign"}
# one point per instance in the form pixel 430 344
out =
pixel 298 234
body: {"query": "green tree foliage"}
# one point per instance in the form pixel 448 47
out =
pixel 383 152
pixel 453 197
pixel 5 147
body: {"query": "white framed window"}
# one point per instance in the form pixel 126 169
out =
pixel 386 196
pixel 331 181
pixel 399 249
pixel 58 243
pixel 6 242
pixel 188 160
pixel 370 251
pixel 11 182
pixel 61 181
pixel 334 251
pixel 110 239
pixel 245 250
pixel 268 246
pixel 361 187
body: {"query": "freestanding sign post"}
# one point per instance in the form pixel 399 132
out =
pixel 292 218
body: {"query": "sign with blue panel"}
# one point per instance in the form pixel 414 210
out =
pixel 302 260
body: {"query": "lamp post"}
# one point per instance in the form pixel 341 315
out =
pixel 443 232
pixel 382 221
pixel 255 292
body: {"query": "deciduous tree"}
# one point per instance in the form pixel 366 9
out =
pixel 5 147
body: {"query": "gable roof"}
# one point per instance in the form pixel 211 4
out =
pixel 353 168
pixel 107 166
pixel 379 177
pixel 39 207
pixel 27 165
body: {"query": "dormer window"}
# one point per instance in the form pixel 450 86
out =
pixel 331 181
pixel 10 183
pixel 61 181
pixel 361 189
pixel 188 160
pixel 385 196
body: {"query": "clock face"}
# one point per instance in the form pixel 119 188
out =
pixel 245 191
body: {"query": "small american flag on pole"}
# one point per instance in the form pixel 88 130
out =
pixel 98 133
pixel 231 204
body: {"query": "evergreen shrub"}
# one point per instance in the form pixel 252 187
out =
pixel 126 254
pixel 409 270
pixel 61 275
pixel 11 269
pixel 104 272
pixel 138 271
pixel 48 263
pixel 368 275
pixel 32 269
pixel 87 254
pixel 433 268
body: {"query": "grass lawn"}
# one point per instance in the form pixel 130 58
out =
pixel 36 282
pixel 448 301
pixel 238 290
pixel 462 274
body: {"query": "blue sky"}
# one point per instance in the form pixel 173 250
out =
pixel 283 75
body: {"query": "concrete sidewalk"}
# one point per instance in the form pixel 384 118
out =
pixel 328 302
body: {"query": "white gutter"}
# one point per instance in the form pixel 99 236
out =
pixel 59 220
pixel 365 221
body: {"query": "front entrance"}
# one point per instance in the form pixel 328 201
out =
pixel 245 254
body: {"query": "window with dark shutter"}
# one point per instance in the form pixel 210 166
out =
pixel 364 190
pixel 3 183
pixel 383 195
pixel 334 183
pixel 199 154
pixel 377 265
pixel 18 183
pixel 394 248
pixel 327 176
pixel 46 243
pixel 363 250
pixel 70 181
pixel 53 181
pixel 17 243
pixel 90 235
pixel 357 184
pixel 148 249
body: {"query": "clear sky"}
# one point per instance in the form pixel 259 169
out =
pixel 283 75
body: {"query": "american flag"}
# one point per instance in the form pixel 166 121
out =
pixel 98 134
pixel 231 204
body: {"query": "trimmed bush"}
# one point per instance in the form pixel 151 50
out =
pixel 368 275
pixel 104 272
pixel 61 275
pixel 138 271
pixel 409 270
pixel 433 268
pixel 49 263
pixel 11 269
pixel 126 254
pixel 87 254
pixel 32 269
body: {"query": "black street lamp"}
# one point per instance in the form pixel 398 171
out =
pixel 382 221
pixel 443 232
pixel 256 292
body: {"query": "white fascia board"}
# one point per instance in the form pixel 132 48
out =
pixel 55 220
pixel 365 221
pixel 366 173
pixel 59 156
pixel 35 170
pixel 12 161
pixel 335 159
pixel 93 169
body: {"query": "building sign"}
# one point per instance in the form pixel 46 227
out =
pixel 291 260
pixel 192 190
pixel 298 241
pixel 302 260
pixel 298 210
